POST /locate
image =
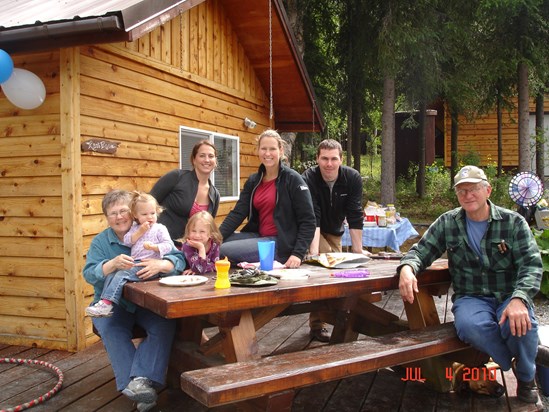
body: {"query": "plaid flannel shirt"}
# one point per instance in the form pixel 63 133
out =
pixel 515 272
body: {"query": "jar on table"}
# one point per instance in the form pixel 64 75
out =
pixel 381 218
pixel 390 214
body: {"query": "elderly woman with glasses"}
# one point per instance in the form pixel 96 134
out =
pixel 137 370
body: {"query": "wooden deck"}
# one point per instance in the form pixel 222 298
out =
pixel 89 381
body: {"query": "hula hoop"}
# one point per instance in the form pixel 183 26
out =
pixel 42 398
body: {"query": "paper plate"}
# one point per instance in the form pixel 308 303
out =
pixel 184 280
pixel 289 274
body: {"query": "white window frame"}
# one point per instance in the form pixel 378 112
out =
pixel 189 136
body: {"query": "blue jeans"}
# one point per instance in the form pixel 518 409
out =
pixel 242 247
pixel 114 284
pixel 476 321
pixel 150 359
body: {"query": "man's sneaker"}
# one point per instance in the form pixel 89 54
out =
pixel 145 406
pixel 321 335
pixel 140 390
pixel 99 310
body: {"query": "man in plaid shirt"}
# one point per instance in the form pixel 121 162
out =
pixel 496 270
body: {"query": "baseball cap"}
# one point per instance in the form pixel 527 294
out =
pixel 469 174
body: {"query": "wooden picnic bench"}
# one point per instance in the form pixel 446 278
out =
pixel 278 376
pixel 238 313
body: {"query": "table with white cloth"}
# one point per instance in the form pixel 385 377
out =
pixel 392 236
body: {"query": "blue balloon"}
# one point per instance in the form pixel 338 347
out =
pixel 6 66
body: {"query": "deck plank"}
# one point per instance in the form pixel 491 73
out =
pixel 18 379
pixel 89 381
pixel 314 398
pixel 387 391
pixel 350 394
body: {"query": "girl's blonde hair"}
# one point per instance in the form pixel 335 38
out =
pixel 142 197
pixel 207 218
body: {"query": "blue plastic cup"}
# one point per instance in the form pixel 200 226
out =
pixel 266 251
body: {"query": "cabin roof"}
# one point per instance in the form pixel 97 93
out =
pixel 29 26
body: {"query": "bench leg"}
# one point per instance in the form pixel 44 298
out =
pixel 422 313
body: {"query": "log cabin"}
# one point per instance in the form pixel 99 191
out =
pixel 479 136
pixel 130 87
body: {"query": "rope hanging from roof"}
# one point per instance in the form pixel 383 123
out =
pixel 271 108
pixel 181 40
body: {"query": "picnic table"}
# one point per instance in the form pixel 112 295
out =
pixel 392 236
pixel 239 312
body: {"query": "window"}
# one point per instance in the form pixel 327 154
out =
pixel 226 177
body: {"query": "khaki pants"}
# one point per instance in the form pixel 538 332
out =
pixel 328 243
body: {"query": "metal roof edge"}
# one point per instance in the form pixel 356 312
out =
pixel 122 25
pixel 9 39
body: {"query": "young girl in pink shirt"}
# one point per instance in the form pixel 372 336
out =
pixel 201 243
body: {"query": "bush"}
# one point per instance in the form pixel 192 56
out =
pixel 439 195
pixel 542 239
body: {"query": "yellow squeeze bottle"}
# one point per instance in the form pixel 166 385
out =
pixel 222 269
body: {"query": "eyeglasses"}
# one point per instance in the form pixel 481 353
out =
pixel 121 213
pixel 465 192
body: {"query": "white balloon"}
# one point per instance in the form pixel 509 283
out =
pixel 24 89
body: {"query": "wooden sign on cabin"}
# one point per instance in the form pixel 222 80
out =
pixel 99 146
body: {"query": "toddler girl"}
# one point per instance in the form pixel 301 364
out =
pixel 201 243
pixel 147 239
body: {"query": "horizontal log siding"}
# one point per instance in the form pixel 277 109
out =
pixel 480 136
pixel 32 305
pixel 191 72
pixel 201 80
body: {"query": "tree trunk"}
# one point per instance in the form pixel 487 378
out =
pixel 540 136
pixel 289 139
pixel 295 17
pixel 388 142
pixel 454 159
pixel 357 121
pixel 499 115
pixel 523 118
pixel 420 178
pixel 349 132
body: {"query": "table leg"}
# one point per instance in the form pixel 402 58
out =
pixel 423 312
pixel 239 342
pixel 344 319
pixel 261 318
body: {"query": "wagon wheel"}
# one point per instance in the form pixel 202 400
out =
pixel 526 189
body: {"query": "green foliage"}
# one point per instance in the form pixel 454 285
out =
pixel 471 157
pixel 542 239
pixel 439 196
pixel 300 166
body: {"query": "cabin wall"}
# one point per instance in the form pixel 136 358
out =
pixel 480 136
pixel 189 72
pixel 32 305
